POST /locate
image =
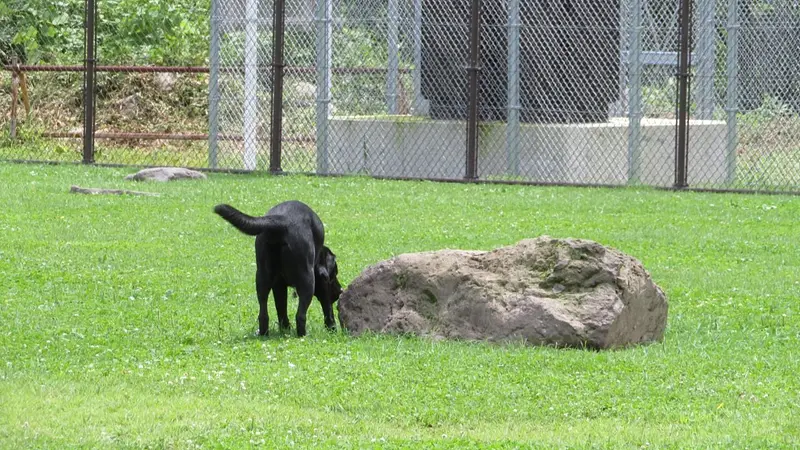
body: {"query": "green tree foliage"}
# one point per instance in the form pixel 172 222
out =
pixel 164 32
pixel 129 31
pixel 48 31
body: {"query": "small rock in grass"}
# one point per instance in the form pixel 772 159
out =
pixel 165 174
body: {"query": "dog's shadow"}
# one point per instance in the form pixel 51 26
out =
pixel 277 334
pixel 274 335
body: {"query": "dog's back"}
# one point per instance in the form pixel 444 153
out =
pixel 282 218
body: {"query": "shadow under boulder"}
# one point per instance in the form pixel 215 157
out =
pixel 543 291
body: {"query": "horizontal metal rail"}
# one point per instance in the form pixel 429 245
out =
pixel 163 136
pixel 188 69
pixel 144 136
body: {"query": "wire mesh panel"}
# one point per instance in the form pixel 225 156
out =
pixel 398 99
pixel 40 104
pixel 302 54
pixel 152 83
pixel 151 118
pixel 568 93
pixel 240 85
pixel 394 109
pixel 559 73
pixel 589 93
pixel 746 92
pixel 652 64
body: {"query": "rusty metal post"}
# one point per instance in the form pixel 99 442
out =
pixel 89 83
pixel 473 69
pixel 682 130
pixel 12 131
pixel 26 100
pixel 278 30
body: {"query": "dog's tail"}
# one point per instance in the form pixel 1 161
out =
pixel 249 224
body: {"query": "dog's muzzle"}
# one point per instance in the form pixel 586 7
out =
pixel 335 289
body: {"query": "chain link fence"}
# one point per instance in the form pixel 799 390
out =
pixel 149 89
pixel 747 87
pixel 568 92
pixel 151 83
pixel 36 38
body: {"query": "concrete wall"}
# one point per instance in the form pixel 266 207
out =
pixel 563 153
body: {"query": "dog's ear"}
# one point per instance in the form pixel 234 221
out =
pixel 326 266
pixel 333 268
pixel 322 271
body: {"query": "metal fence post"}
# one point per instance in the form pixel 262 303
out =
pixel 89 81
pixel 512 124
pixel 323 53
pixel 278 34
pixel 732 89
pixel 682 130
pixel 12 130
pixel 473 69
pixel 419 106
pixel 635 94
pixel 393 60
pixel 705 61
pixel 213 87
pixel 250 119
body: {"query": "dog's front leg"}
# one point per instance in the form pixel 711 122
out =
pixel 327 311
pixel 304 294
pixel 262 290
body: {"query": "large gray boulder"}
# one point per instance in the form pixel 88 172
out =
pixel 165 174
pixel 543 291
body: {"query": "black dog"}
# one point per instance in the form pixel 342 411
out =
pixel 289 252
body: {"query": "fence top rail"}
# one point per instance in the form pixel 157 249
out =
pixel 185 69
pixel 55 68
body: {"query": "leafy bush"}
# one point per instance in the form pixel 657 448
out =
pixel 49 31
pixel 129 31
pixel 163 32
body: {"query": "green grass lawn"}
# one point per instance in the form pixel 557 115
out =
pixel 129 321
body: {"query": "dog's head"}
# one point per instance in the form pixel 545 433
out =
pixel 326 283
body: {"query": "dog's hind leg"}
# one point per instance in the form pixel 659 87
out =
pixel 262 291
pixel 280 292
